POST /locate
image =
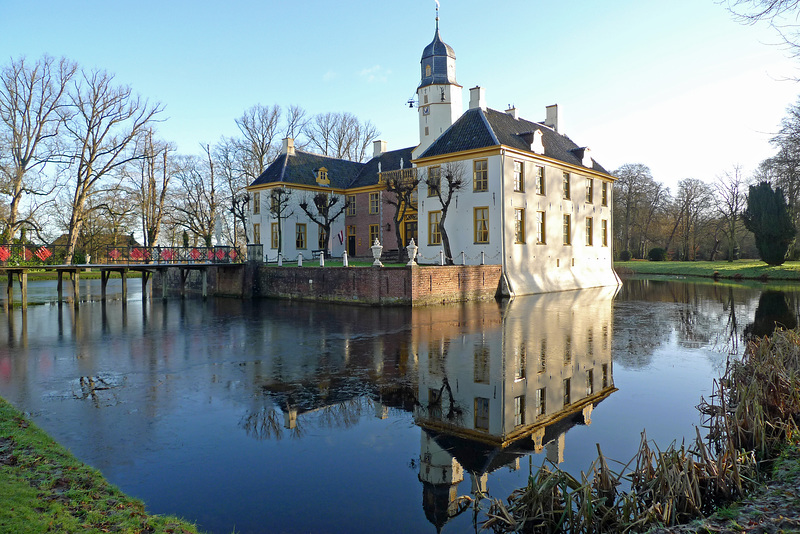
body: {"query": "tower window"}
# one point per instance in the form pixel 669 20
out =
pixel 427 70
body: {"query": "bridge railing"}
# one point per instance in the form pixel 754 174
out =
pixel 31 255
pixel 161 255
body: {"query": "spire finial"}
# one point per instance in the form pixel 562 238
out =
pixel 437 15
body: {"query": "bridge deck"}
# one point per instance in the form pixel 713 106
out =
pixel 147 269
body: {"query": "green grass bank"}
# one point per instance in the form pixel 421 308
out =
pixel 43 488
pixel 739 269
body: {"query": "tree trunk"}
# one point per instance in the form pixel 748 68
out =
pixel 448 254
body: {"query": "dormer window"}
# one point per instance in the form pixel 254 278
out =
pixel 427 71
pixel 322 176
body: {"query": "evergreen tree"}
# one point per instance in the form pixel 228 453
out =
pixel 767 216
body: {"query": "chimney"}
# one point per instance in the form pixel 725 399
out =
pixel 552 117
pixel 512 111
pixel 477 98
pixel 378 148
pixel 288 146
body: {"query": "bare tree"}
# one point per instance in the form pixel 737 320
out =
pixel 446 182
pixel 401 186
pixel 296 123
pixel 324 214
pixel 149 178
pixel 693 199
pixel 731 200
pixel 280 201
pixel 110 215
pixel 630 198
pixel 780 14
pixel 106 120
pixel 341 135
pixel 234 180
pixel 259 126
pixel 32 106
pixel 197 207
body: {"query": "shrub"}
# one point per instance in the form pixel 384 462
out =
pixel 657 254
pixel 625 255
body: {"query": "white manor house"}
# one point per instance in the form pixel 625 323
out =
pixel 533 201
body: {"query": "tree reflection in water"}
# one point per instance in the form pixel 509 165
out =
pixel 773 312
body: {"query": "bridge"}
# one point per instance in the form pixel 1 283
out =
pixel 17 261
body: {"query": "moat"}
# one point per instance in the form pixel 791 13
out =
pixel 294 417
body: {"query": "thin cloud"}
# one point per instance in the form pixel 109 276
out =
pixel 375 73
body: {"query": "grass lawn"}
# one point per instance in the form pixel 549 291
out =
pixel 43 488
pixel 745 269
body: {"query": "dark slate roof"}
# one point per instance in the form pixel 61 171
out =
pixel 438 47
pixel 480 129
pixel 301 169
pixel 390 161
pixel 437 54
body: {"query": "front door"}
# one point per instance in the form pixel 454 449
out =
pixel 351 240
pixel 410 231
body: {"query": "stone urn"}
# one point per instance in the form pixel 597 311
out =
pixel 376 249
pixel 412 252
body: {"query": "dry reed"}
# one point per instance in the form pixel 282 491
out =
pixel 753 410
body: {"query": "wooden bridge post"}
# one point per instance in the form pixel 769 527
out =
pixel 60 287
pixel 104 274
pixel 10 290
pixel 124 275
pixel 23 287
pixel 76 287
pixel 145 276
pixel 184 274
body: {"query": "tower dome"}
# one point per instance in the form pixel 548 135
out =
pixel 438 62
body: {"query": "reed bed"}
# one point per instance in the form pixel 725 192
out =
pixel 754 409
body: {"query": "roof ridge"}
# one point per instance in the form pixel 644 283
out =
pixel 488 125
pixel 327 157
pixel 283 167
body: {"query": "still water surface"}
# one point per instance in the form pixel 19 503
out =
pixel 272 416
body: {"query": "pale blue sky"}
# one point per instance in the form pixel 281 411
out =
pixel 679 86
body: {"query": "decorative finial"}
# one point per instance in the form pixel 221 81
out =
pixel 437 15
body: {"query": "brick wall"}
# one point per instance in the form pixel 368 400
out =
pixel 419 286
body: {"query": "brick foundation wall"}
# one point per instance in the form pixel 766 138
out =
pixel 383 286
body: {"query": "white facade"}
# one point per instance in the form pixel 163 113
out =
pixel 533 263
pixel 300 235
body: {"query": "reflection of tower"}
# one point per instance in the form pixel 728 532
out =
pixel 440 475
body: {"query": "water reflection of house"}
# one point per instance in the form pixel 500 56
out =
pixel 493 394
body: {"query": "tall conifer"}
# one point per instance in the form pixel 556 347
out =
pixel 767 216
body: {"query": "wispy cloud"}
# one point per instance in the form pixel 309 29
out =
pixel 375 74
pixel 329 76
